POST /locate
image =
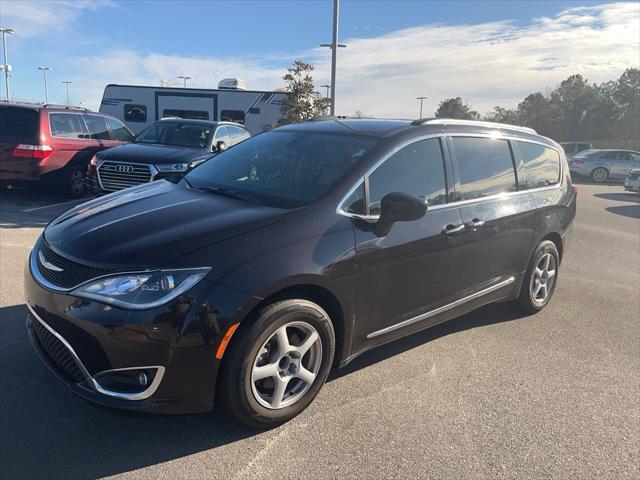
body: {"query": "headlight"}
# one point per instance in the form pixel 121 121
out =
pixel 95 161
pixel 173 167
pixel 141 290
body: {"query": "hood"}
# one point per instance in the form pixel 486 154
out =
pixel 152 153
pixel 150 225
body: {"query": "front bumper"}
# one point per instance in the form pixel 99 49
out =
pixel 632 185
pixel 85 339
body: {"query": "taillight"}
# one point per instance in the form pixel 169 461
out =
pixel 578 161
pixel 575 189
pixel 32 151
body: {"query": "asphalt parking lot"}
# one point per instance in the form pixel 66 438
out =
pixel 488 395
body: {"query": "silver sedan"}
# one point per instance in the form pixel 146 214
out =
pixel 603 165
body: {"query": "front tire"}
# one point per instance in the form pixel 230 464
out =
pixel 540 279
pixel 277 363
pixel 599 175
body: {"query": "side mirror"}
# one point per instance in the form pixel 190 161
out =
pixel 221 146
pixel 399 207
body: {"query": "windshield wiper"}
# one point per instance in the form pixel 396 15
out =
pixel 229 192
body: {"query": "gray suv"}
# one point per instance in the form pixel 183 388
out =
pixel 603 165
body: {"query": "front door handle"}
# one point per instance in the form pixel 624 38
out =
pixel 453 229
pixel 475 223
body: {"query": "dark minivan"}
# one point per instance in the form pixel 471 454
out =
pixel 295 251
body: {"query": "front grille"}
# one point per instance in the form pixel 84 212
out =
pixel 57 353
pixel 72 273
pixel 116 175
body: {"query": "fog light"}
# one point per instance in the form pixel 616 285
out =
pixel 142 379
pixel 129 380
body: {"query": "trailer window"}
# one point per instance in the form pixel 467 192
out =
pixel 236 116
pixel 186 114
pixel 135 113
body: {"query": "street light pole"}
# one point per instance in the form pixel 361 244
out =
pixel 327 87
pixel 185 78
pixel 6 67
pixel 334 45
pixel 422 99
pixel 67 83
pixel 46 93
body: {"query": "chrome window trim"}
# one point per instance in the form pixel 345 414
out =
pixel 152 169
pixel 91 380
pixel 495 135
pixel 442 309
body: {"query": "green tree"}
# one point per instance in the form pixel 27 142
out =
pixel 536 111
pixel 626 95
pixel 456 108
pixel 503 115
pixel 304 102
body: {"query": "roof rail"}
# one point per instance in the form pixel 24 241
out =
pixel 455 121
pixel 66 107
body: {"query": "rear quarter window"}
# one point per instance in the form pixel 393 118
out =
pixel 541 165
pixel 19 123
pixel 66 125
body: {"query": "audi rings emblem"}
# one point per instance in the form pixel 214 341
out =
pixel 123 168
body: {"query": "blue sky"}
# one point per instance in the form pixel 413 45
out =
pixel 488 52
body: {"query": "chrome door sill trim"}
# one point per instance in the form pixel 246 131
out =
pixel 442 309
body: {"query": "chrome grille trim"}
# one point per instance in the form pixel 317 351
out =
pixel 112 180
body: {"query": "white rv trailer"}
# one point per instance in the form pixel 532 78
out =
pixel 140 106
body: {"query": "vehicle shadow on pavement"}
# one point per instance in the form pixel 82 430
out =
pixel 631 211
pixel 619 197
pixel 488 315
pixel 47 432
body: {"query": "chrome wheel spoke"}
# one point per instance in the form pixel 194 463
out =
pixel 308 343
pixel 283 340
pixel 547 260
pixel 265 371
pixel 279 391
pixel 551 273
pixel 306 376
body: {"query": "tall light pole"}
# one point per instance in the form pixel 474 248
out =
pixel 327 87
pixel 67 83
pixel 422 99
pixel 334 45
pixel 5 66
pixel 46 92
pixel 185 78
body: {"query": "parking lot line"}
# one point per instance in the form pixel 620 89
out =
pixel 44 207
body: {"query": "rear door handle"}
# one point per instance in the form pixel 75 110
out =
pixel 475 223
pixel 453 229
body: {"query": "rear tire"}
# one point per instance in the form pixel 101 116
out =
pixel 277 364
pixel 599 175
pixel 540 279
pixel 69 181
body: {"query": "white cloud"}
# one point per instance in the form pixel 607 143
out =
pixel 39 18
pixel 494 63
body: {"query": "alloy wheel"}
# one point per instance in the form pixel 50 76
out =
pixel 599 175
pixel 286 365
pixel 77 182
pixel 543 278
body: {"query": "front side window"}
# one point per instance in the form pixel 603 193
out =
pixel 97 127
pixel 135 113
pixel 284 168
pixel 66 125
pixel 634 156
pixel 485 167
pixel 177 134
pixel 541 165
pixel 118 131
pixel 355 203
pixel 417 169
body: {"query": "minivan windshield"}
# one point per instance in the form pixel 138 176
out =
pixel 283 168
pixel 177 134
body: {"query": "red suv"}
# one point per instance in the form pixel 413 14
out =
pixel 54 143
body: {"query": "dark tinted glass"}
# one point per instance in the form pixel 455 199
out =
pixel 284 168
pixel 583 146
pixel 355 203
pixel 178 134
pixel 135 113
pixel 186 114
pixel 541 165
pixel 97 127
pixel 485 167
pixel 236 116
pixel 118 130
pixel 20 123
pixel 417 169
pixel 66 125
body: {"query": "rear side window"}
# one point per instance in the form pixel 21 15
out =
pixel 118 130
pixel 417 169
pixel 21 123
pixel 583 146
pixel 236 116
pixel 485 167
pixel 66 125
pixel 541 165
pixel 135 113
pixel 186 114
pixel 97 127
